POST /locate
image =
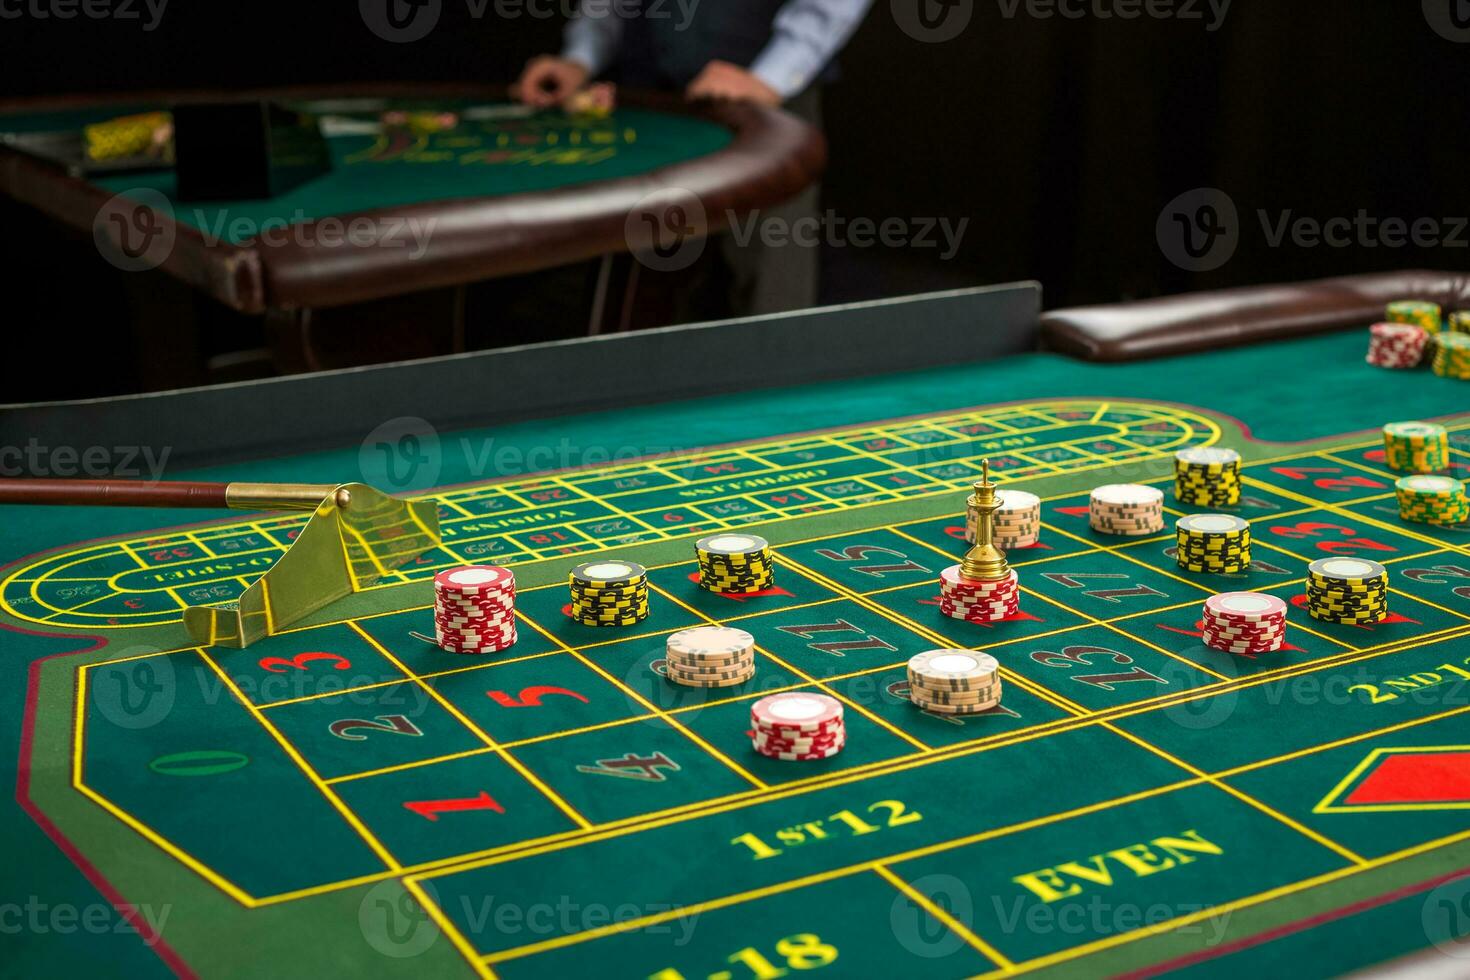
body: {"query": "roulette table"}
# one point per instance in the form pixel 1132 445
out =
pixel 405 211
pixel 344 796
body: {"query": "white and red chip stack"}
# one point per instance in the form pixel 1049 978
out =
pixel 1128 509
pixel 797 726
pixel 474 609
pixel 1396 345
pixel 1244 622
pixel 954 682
pixel 975 601
pixel 1017 520
pixel 710 656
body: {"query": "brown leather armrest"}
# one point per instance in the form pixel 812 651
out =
pixel 1230 317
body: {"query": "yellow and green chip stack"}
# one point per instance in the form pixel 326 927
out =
pixel 125 136
pixel 1416 447
pixel 609 593
pixel 1351 591
pixel 1421 314
pixel 1459 322
pixel 1432 499
pixel 735 563
pixel 1452 355
pixel 1218 543
pixel 1207 476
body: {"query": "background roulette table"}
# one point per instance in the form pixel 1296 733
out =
pixel 344 797
pixel 384 244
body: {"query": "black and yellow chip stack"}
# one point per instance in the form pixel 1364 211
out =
pixel 609 593
pixel 1416 447
pixel 1347 590
pixel 1427 499
pixel 1207 476
pixel 1218 543
pixel 735 563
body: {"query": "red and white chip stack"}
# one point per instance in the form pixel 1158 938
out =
pixel 474 609
pixel 1244 622
pixel 1396 345
pixel 977 601
pixel 797 726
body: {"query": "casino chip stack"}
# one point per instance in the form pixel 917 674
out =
pixel 1244 622
pixel 1017 520
pixel 1452 356
pixel 474 609
pixel 1432 499
pixel 1216 543
pixel 710 656
pixel 975 601
pixel 954 682
pixel 735 563
pixel 1423 315
pixel 1416 447
pixel 1459 322
pixel 609 593
pixel 1347 590
pixel 797 726
pixel 1206 476
pixel 1396 345
pixel 1128 509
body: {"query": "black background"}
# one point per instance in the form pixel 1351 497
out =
pixel 1059 138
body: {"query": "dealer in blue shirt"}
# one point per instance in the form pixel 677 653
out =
pixel 769 52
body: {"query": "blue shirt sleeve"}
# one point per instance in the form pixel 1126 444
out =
pixel 592 37
pixel 808 34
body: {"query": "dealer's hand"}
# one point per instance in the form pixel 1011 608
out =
pixel 548 80
pixel 723 81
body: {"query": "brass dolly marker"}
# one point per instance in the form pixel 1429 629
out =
pixel 985 562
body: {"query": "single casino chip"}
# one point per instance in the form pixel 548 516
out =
pixel 709 642
pixel 476 580
pixel 952 582
pixel 608 574
pixel 1212 525
pixel 953 668
pixel 1247 607
pixel 1348 571
pixel 1128 495
pixel 732 545
pixel 1216 457
pixel 796 712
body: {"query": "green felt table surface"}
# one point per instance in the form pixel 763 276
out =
pixel 1206 808
pixel 478 158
